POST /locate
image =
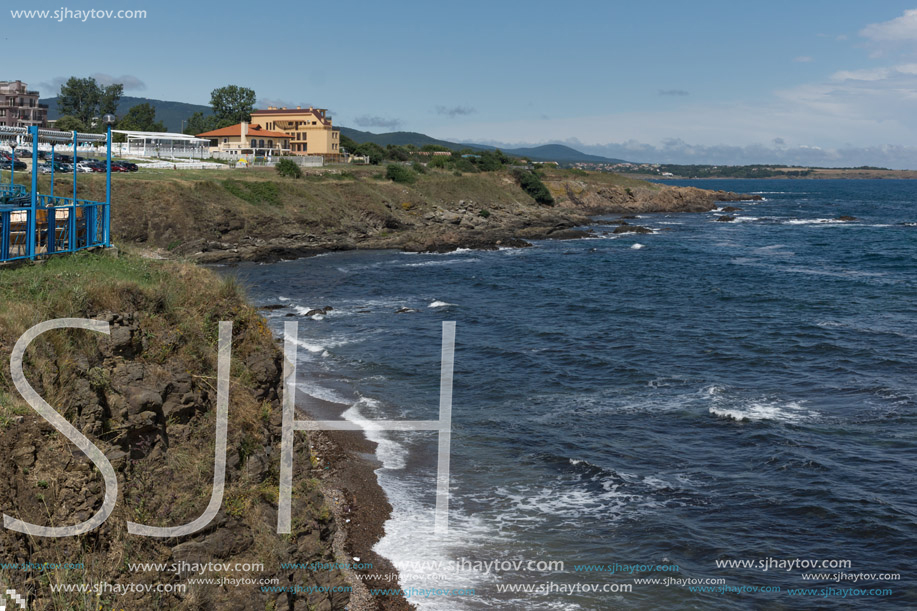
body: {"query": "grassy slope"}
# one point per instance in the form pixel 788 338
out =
pixel 165 469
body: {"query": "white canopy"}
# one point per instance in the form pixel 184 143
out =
pixel 160 136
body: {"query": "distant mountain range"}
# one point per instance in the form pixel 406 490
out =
pixel 546 152
pixel 173 113
pixel 170 113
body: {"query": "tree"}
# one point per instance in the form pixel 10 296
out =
pixel 288 168
pixel 399 173
pixel 349 145
pixel 109 98
pixel 85 99
pixel 69 123
pixel 532 185
pixel 232 104
pixel 373 151
pixel 141 118
pixel 198 123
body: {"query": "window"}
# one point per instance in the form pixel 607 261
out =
pixel 225 140
pixel 270 144
pixel 261 144
pixel 254 143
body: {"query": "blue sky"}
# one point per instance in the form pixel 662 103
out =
pixel 705 81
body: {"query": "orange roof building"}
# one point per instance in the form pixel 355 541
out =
pixel 247 139
pixel 309 129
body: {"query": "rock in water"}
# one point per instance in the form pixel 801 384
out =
pixel 632 229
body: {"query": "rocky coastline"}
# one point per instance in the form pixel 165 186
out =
pixel 209 222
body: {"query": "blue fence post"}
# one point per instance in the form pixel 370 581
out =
pixel 52 168
pixel 73 159
pixel 33 220
pixel 5 237
pixel 13 168
pixel 72 219
pixel 106 214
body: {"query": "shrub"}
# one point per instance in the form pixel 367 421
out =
pixel 418 167
pixel 463 165
pixel 439 161
pixel 531 184
pixel 484 213
pixel 400 174
pixel 288 168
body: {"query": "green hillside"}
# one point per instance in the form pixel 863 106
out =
pixel 170 113
pixel 545 152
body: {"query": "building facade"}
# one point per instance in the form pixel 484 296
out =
pixel 19 107
pixel 247 139
pixel 309 129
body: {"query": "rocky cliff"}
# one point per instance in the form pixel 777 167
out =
pixel 145 396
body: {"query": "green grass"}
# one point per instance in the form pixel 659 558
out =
pixel 256 193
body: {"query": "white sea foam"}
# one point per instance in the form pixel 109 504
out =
pixel 440 304
pixel 390 453
pixel 815 222
pixel 438 263
pixel 321 392
pixel 789 411
pixel 283 298
pixel 310 347
pixel 636 246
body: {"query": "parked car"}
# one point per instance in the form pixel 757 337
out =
pixel 6 164
pixel 126 165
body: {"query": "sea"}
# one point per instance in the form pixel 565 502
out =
pixel 717 415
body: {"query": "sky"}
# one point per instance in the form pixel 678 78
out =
pixel 815 82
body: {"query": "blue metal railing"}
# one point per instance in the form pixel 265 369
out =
pixel 8 189
pixel 60 229
pixel 34 224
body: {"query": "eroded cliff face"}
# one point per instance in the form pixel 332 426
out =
pixel 255 215
pixel 145 395
pixel 592 199
pixel 503 217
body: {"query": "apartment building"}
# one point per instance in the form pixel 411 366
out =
pixel 19 107
pixel 309 129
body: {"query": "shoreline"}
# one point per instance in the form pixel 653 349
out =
pixel 206 221
pixel 348 463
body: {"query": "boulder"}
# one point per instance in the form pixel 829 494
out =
pixel 632 229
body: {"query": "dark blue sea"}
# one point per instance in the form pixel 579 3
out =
pixel 742 391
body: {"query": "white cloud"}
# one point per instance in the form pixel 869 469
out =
pixel 130 82
pixel 848 118
pixel 900 29
pixel 376 121
pixel 867 74
pixel 455 111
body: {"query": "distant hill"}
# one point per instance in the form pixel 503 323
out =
pixel 170 113
pixel 173 113
pixel 403 138
pixel 546 152
pixel 559 153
